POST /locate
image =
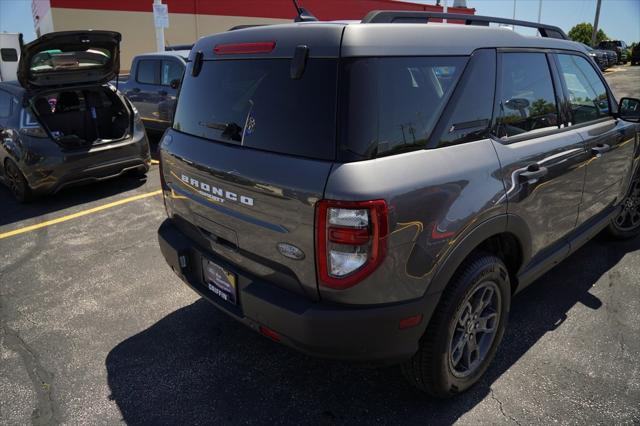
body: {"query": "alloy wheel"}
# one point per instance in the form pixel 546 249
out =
pixel 475 330
pixel 629 217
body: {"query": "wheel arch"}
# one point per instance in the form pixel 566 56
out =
pixel 507 236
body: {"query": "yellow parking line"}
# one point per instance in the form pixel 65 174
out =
pixel 155 162
pixel 78 214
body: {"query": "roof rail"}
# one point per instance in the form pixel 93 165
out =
pixel 245 26
pixel 409 17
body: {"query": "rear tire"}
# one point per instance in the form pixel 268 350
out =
pixel 465 330
pixel 17 183
pixel 627 224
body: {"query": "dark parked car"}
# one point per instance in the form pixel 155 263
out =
pixel 635 54
pixel 60 123
pixel 618 46
pixel 598 56
pixel 152 86
pixel 352 190
pixel 612 57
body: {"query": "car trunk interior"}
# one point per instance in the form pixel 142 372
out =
pixel 83 116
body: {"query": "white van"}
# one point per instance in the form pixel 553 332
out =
pixel 9 55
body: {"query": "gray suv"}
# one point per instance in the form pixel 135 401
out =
pixel 379 190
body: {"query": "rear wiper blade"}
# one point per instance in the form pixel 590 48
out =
pixel 229 130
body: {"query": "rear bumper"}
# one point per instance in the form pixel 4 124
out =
pixel 325 330
pixel 98 163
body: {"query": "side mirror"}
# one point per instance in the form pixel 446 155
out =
pixel 629 109
pixel 175 83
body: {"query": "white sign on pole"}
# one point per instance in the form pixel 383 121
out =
pixel 161 15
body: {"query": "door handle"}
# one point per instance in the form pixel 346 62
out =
pixel 162 93
pixel 600 149
pixel 533 173
pixel 136 90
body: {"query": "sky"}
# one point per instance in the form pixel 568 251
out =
pixel 620 19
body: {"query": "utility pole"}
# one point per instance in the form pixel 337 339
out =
pixel 514 10
pixel 595 24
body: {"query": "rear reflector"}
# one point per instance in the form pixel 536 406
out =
pixel 244 48
pixel 410 321
pixel 269 333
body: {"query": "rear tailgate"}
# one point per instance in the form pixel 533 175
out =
pixel 252 145
pixel 241 203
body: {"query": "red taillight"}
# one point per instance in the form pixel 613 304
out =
pixel 351 240
pixel 244 48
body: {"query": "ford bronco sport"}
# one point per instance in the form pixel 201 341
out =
pixel 379 191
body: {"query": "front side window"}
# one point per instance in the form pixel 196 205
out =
pixel 390 105
pixel 587 94
pixel 527 98
pixel 149 72
pixel 171 70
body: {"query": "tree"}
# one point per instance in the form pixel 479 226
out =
pixel 582 33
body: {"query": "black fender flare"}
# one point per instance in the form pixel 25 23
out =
pixel 504 223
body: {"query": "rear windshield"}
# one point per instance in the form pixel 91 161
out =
pixel 390 105
pixel 255 103
pixel 57 60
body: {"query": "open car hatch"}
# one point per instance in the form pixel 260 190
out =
pixel 70 58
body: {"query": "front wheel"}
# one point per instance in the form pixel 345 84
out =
pixel 627 223
pixel 465 331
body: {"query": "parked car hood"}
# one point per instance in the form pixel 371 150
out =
pixel 69 58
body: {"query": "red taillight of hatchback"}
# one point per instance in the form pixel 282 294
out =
pixel 351 240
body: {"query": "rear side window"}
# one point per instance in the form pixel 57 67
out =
pixel 587 94
pixel 390 105
pixel 527 97
pixel 9 55
pixel 171 70
pixel 256 104
pixel 148 72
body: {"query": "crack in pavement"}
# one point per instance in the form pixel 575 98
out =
pixel 46 412
pixel 501 408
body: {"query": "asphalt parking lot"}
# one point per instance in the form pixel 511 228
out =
pixel 96 329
